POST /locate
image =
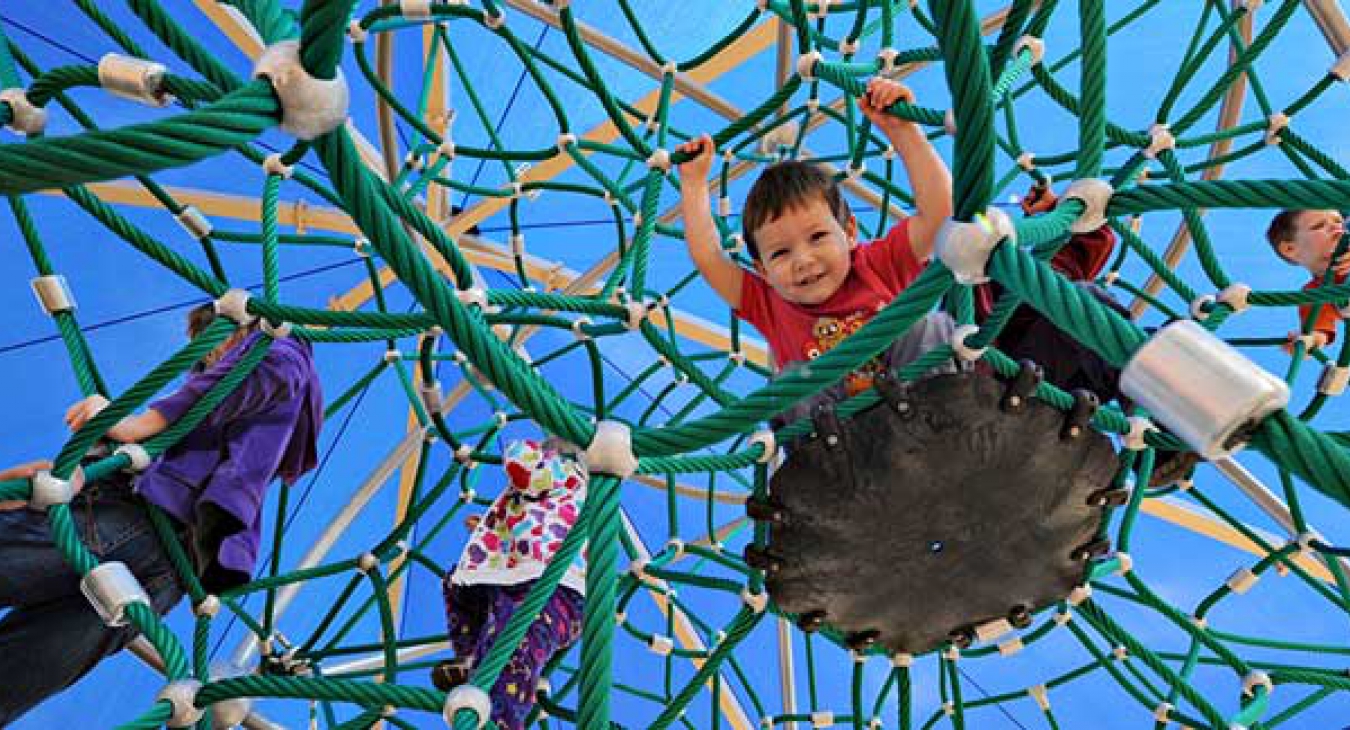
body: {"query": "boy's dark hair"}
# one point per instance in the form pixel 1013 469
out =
pixel 200 318
pixel 782 187
pixel 1282 228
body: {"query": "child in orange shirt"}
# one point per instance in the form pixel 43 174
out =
pixel 1308 238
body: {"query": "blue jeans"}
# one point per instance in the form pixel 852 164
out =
pixel 51 636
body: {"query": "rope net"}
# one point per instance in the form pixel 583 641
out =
pixel 476 351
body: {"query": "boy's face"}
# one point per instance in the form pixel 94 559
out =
pixel 1316 233
pixel 804 253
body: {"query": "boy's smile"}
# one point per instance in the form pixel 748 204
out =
pixel 1315 237
pixel 804 254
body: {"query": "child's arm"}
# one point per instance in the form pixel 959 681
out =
pixel 700 233
pixel 928 174
pixel 1086 254
pixel 132 429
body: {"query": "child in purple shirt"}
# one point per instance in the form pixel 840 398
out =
pixel 212 482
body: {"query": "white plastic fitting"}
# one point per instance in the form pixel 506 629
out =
pixel 637 312
pixel 766 439
pixel 25 118
pixel 1241 580
pixel 1095 195
pixel 467 697
pixel 1080 594
pixel 1027 161
pixel 1201 305
pixel 446 149
pixel 806 64
pixel 1033 44
pixel 756 602
pixel 848 46
pixel 1236 297
pixel 959 346
pixel 1120 653
pixel 781 136
pixel 209 607
pixel 228 714
pixel 565 140
pixel 133 78
pixel 1333 380
pixel 1160 138
pixel 192 221
pixel 414 9
pixel 367 562
pixel 661 645
pixel 1124 564
pixel 475 296
pixel 1062 618
pixel 992 630
pixel 1274 125
pixel 275 331
pixel 180 695
pixel 233 305
pixel 659 160
pixel 47 490
pixel 1041 694
pixel 1341 68
pixel 1160 713
pixel 1201 388
pixel 137 455
pixel 53 293
pixel 494 21
pixel 431 396
pixel 965 247
pixel 577 330
pixel 1134 439
pixel 110 588
pixel 1010 647
pixel 611 450
pixel 310 107
pixel 949 122
pixel 1256 679
pixel 356 33
pixel 822 718
pixel 676 547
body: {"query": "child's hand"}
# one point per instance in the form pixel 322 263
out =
pixel 1341 266
pixel 1039 199
pixel 879 96
pixel 24 471
pixel 80 413
pixel 701 148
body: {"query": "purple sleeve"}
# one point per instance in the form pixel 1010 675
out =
pixel 272 377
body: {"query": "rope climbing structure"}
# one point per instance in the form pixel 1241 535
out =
pixel 686 433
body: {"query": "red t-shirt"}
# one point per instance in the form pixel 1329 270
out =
pixel 878 271
pixel 1327 315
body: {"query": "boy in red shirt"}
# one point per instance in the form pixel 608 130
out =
pixel 813 284
pixel 1308 238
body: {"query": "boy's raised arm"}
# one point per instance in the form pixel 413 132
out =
pixel 700 233
pixel 928 173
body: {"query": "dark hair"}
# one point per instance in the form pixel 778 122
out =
pixel 1282 228
pixel 200 318
pixel 782 187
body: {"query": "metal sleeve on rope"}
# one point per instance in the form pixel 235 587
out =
pixel 310 107
pixel 110 588
pixel 965 247
pixel 611 450
pixel 467 697
pixel 180 695
pixel 47 490
pixel 53 293
pixel 133 78
pixel 137 455
pixel 193 222
pixel 25 118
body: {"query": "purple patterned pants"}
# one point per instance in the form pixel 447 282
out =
pixel 476 614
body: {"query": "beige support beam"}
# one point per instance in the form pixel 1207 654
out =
pixel 1187 517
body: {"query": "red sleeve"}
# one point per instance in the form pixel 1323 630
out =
pixel 1327 316
pixel 892 258
pixel 1085 255
pixel 754 301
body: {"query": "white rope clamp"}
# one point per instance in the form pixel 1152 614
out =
pixel 756 602
pixel 1010 647
pixel 1341 68
pixel 25 118
pixel 1236 297
pixel 415 9
pixel 1027 161
pixel 209 607
pixel 356 33
pixel 366 563
pixel 959 346
pixel 275 331
pixel 180 695
pixel 1161 711
pixel 766 439
pixel 137 455
pixel 637 312
pixel 1034 45
pixel 1274 125
pixel 192 221
pixel 467 697
pixel 1139 428
pixel 1160 138
pixel 1201 305
pixel 47 490
pixel 233 305
pixel 494 21
pixel 577 330
pixel 1095 195
pixel 133 78
pixel 1257 679
pixel 661 645
pixel 1124 564
pixel 1080 594
pixel 1041 694
pixel 1241 580
pixel 849 46
pixel 475 296
pixel 806 64
pixel 53 293
pixel 965 247
pixel 310 107
pixel 992 630
pixel 272 165
pixel 110 588
pixel 676 547
pixel 659 160
pixel 1333 380
pixel 822 718
pixel 611 450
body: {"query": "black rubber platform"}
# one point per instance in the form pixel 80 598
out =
pixel 947 505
